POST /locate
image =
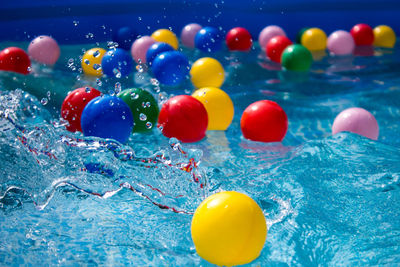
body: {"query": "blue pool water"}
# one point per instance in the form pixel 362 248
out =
pixel 328 200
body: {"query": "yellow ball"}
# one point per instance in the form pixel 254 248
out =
pixel 91 61
pixel 384 36
pixel 166 36
pixel 207 71
pixel 314 39
pixel 219 107
pixel 229 228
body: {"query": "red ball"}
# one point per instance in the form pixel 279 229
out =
pixel 238 39
pixel 183 117
pixel 275 47
pixel 15 59
pixel 264 121
pixel 362 34
pixel 73 105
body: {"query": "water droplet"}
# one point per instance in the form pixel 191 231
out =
pixel 44 101
pixel 29 69
pixel 99 82
pixel 154 82
pixel 139 68
pixel 123 117
pixel 87 62
pixel 87 89
pixel 117 73
pixel 139 18
pixel 96 53
pixel 48 94
pixel 111 103
pixel 142 117
pixel 96 66
pixel 149 125
pixel 134 96
pixel 117 87
pixel 75 22
pixel 148 104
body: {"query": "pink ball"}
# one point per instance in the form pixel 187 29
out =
pixel 340 43
pixel 188 33
pixel 356 120
pixel 268 33
pixel 44 49
pixel 139 48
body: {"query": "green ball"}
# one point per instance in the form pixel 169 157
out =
pixel 300 33
pixel 144 108
pixel 296 58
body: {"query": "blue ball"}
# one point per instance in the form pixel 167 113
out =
pixel 170 67
pixel 156 49
pixel 107 117
pixel 208 39
pixel 124 36
pixel 116 63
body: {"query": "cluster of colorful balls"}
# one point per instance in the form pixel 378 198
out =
pixel 109 116
pixel 226 223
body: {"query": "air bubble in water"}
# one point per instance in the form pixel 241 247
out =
pixel 142 117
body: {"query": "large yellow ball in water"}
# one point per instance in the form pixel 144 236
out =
pixel 314 39
pixel 166 36
pixel 207 71
pixel 384 36
pixel 219 107
pixel 229 228
pixel 91 61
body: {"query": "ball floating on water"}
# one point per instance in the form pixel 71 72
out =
pixel 358 121
pixel 73 105
pixel 183 117
pixel 156 49
pixel 268 33
pixel 229 228
pixel 143 106
pixel 91 61
pixel 44 49
pixel 264 121
pixel 300 34
pixel 124 36
pixel 107 117
pixel 188 33
pixel 362 34
pixel 340 43
pixel 170 68
pixel 238 39
pixel 384 36
pixel 116 63
pixel 296 58
pixel 166 36
pixel 219 107
pixel 15 59
pixel 314 39
pixel 208 39
pixel 276 46
pixel 139 48
pixel 207 71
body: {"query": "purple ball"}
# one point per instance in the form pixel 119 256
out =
pixel 356 120
pixel 268 33
pixel 44 49
pixel 188 33
pixel 340 43
pixel 139 48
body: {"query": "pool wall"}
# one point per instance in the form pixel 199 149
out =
pixel 86 21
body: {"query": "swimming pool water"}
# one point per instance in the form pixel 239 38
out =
pixel 328 200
